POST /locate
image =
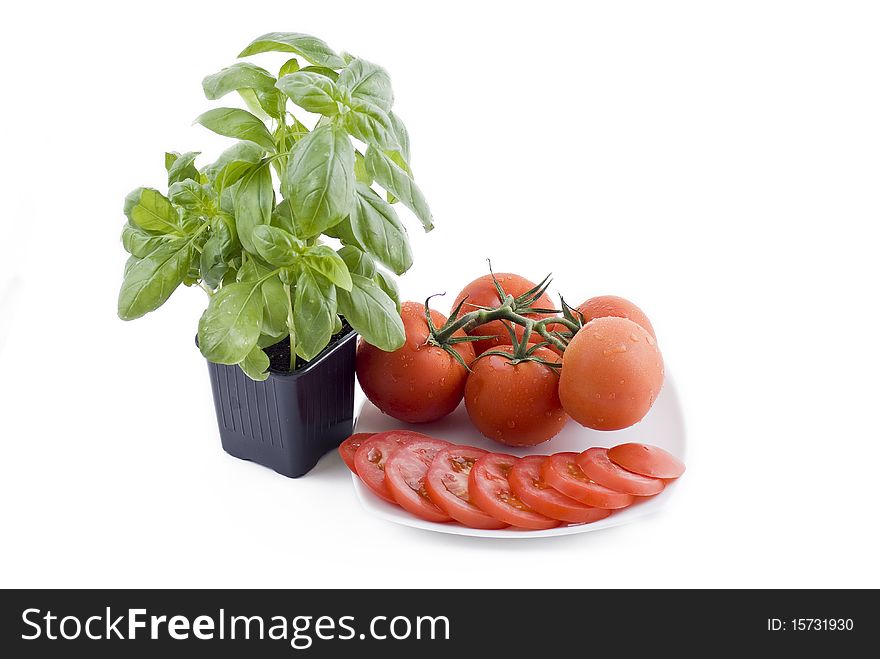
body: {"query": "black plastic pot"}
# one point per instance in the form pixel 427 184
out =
pixel 290 420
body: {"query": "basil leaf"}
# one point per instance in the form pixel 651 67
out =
pixel 290 66
pixel 240 124
pixel 230 326
pixel 401 136
pixel 253 270
pixel 358 261
pixel 319 181
pixel 217 251
pixel 327 263
pixel 322 70
pixel 372 314
pixel 253 205
pixel 312 92
pixel 140 243
pixel 377 228
pixel 199 200
pixel 170 157
pixel 149 282
pixel 241 75
pixel 314 310
pixel 255 365
pixel 367 82
pixel 360 170
pixel 233 164
pixel 386 282
pixel 150 209
pixel 275 306
pixel 395 179
pixel 282 217
pixel 183 168
pixel 344 233
pixel 249 96
pixel 276 245
pixel 370 124
pixel 310 48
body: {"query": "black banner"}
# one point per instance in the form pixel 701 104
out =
pixel 318 623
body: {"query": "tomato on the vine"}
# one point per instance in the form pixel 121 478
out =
pixel 515 402
pixel 418 382
pixel 604 306
pixel 481 292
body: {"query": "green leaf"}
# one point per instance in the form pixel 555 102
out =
pixel 401 136
pixel 275 306
pixel 327 263
pixel 358 261
pixel 233 164
pixel 372 314
pixel 312 92
pixel 319 181
pixel 218 251
pixel 252 101
pixel 150 209
pixel 184 168
pixel 377 228
pixel 344 233
pixel 282 217
pixel 240 124
pixel 367 82
pixel 253 205
pixel 140 243
pixel 360 170
pixel 395 179
pixel 322 70
pixel 290 66
pixel 277 246
pixel 314 310
pixel 370 124
pixel 199 200
pixel 230 326
pixel 149 282
pixel 256 364
pixel 386 282
pixel 170 157
pixel 310 48
pixel 241 75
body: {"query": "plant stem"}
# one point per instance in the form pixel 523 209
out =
pixel 505 311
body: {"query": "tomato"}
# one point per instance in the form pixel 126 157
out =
pixel 611 305
pixel 646 460
pixel 369 459
pixel 350 446
pixel 418 382
pixel 447 485
pixel 515 404
pixel 598 467
pixel 562 473
pixel 481 293
pixel 405 472
pixel 490 490
pixel 611 374
pixel 526 481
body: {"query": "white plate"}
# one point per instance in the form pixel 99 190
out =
pixel 663 426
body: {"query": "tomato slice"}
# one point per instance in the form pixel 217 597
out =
pixel 646 460
pixel 405 472
pixel 562 473
pixel 350 446
pixel 369 459
pixel 598 467
pixel 490 490
pixel 526 482
pixel 447 485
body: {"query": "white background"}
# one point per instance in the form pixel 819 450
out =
pixel 717 163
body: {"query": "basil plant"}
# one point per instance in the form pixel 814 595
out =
pixel 252 228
